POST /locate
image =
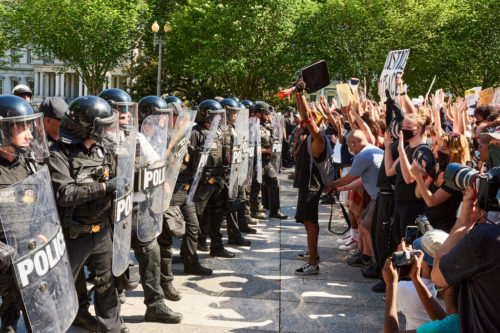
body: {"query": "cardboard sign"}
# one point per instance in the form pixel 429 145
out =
pixel 496 97
pixel 472 96
pixel 486 96
pixel 345 94
pixel 394 64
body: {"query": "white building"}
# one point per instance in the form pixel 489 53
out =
pixel 48 78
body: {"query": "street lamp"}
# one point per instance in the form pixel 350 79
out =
pixel 160 42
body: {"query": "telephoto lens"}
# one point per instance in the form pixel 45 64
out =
pixel 459 177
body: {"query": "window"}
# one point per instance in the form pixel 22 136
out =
pixel 31 84
pixel 28 56
pixel 1 86
pixel 13 83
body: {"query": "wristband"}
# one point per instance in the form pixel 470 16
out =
pixel 302 122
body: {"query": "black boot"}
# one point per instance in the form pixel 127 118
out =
pixel 240 242
pixel 197 269
pixel 10 319
pixel 222 253
pixel 170 292
pixel 123 327
pixel 85 320
pixel 278 215
pixel 161 313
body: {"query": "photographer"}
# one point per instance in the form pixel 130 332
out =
pixel 441 201
pixel 468 260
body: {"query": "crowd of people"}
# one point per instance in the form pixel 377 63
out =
pixel 423 201
pixel 418 179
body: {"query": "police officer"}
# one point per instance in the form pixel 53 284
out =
pixel 287 144
pixel 147 253
pixel 15 165
pixel 231 205
pixel 256 209
pixel 53 109
pixel 209 198
pixel 84 181
pixel 270 186
pixel 23 91
pixel 189 243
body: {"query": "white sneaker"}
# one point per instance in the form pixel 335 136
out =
pixel 349 245
pixel 344 239
pixel 307 269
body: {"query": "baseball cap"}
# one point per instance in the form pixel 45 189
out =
pixel 429 243
pixel 53 107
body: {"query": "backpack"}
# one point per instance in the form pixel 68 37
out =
pixel 326 168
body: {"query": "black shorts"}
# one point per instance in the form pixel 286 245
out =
pixel 307 206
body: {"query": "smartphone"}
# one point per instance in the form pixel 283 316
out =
pixel 316 76
pixel 411 234
pixel 403 258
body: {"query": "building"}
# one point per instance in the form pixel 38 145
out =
pixel 47 79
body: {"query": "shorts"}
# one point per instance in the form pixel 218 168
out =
pixel 307 206
pixel 367 216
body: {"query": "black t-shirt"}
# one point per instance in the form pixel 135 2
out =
pixel 443 216
pixel 406 192
pixel 473 265
pixel 384 181
pixel 302 178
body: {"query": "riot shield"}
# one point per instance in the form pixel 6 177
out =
pixel 150 176
pixel 122 205
pixel 277 136
pixel 39 259
pixel 214 125
pixel 251 151
pixel 240 143
pixel 258 152
pixel 245 151
pixel 177 148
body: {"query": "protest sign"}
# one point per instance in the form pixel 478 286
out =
pixel 486 96
pixel 345 94
pixel 472 96
pixel 496 97
pixel 394 65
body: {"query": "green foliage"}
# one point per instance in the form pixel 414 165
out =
pixel 90 36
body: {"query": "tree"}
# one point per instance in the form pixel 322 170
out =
pixel 89 36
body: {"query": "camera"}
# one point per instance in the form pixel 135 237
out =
pixel 486 185
pixel 403 258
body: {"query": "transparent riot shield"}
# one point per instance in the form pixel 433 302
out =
pixel 214 125
pixel 150 176
pixel 245 139
pixel 176 152
pixel 39 259
pixel 252 138
pixel 258 151
pixel 276 138
pixel 122 205
pixel 240 140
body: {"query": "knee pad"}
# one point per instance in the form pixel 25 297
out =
pixel 101 282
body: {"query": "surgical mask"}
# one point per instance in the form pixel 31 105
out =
pixel 429 142
pixel 443 160
pixel 476 153
pixel 408 134
pixel 350 151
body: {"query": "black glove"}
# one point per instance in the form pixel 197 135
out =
pixel 393 106
pixel 111 185
pixel 5 253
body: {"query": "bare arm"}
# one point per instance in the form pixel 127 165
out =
pixel 431 199
pixel 318 140
pixel 364 127
pixel 347 179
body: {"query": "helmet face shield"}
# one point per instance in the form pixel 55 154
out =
pixel 223 120
pixel 232 114
pixel 106 130
pixel 24 136
pixel 127 114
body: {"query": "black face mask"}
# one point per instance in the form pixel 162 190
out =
pixel 443 160
pixel 407 134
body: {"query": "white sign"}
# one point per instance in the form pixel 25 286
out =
pixel 394 65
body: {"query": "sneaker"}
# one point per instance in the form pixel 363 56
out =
pixel 307 269
pixel 344 239
pixel 349 245
pixel 359 260
pixel 305 256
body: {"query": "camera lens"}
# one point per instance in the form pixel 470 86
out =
pixel 458 176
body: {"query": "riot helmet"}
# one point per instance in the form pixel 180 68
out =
pixel 88 117
pixel 22 131
pixel 173 99
pixel 121 102
pixel 247 103
pixel 232 109
pixel 151 105
pixel 207 110
pixel 22 91
pixel 235 99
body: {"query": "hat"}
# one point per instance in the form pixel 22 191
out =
pixel 296 114
pixel 53 107
pixel 495 135
pixel 288 109
pixel 429 243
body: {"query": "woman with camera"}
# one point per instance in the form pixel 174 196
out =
pixel 411 147
pixel 441 201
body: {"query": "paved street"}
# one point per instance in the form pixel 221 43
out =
pixel 258 291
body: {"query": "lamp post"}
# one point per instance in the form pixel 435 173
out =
pixel 160 42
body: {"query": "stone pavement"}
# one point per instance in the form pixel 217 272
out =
pixel 258 292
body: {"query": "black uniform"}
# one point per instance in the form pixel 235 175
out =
pixel 85 208
pixel 270 186
pixel 210 191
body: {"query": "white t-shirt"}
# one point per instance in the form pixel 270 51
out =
pixel 409 304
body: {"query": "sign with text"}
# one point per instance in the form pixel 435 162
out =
pixel 394 64
pixel 486 96
pixel 344 93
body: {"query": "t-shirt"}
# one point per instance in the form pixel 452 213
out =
pixel 345 157
pixel 406 192
pixel 473 265
pixel 409 304
pixel 446 325
pixel 384 181
pixel 366 164
pixel 303 179
pixel 444 215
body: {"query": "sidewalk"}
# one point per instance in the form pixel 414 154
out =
pixel 257 291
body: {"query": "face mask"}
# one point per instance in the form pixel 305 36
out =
pixel 350 151
pixel 407 134
pixel 429 142
pixel 476 153
pixel 443 160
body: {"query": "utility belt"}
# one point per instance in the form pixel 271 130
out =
pixel 76 228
